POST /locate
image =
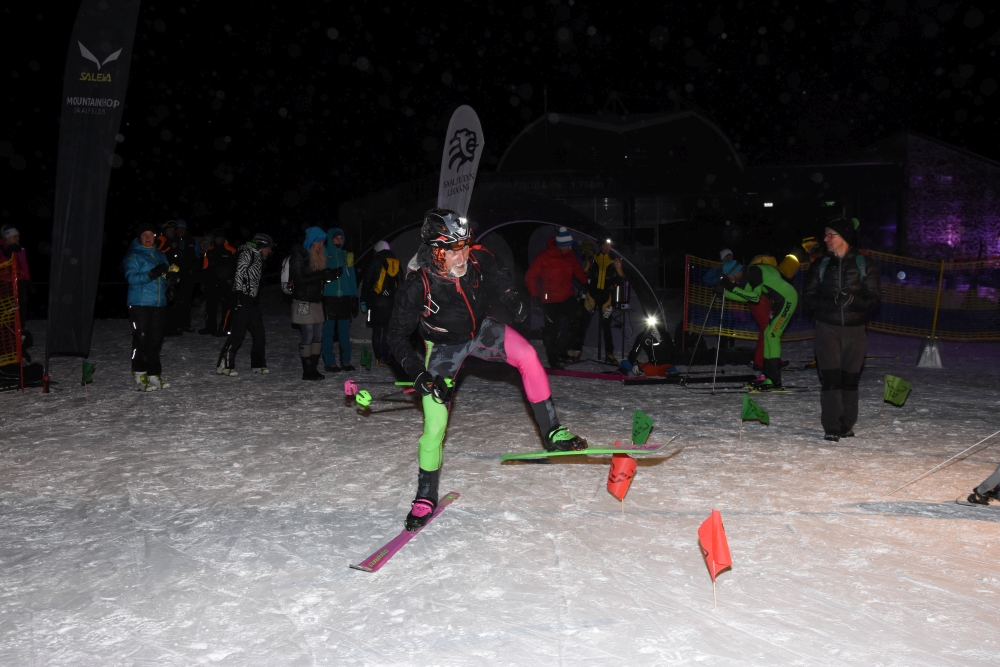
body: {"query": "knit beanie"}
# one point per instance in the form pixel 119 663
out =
pixel 723 253
pixel 846 228
pixel 564 238
pixel 380 246
pixel 144 227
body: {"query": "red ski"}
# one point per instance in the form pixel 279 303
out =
pixel 374 562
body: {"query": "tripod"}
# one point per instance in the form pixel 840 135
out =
pixel 722 310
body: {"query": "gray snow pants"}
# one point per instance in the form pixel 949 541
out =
pixel 840 354
pixel 992 482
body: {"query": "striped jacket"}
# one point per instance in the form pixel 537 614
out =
pixel 249 266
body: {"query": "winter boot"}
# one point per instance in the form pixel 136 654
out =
pixel 157 382
pixel 261 371
pixel 142 382
pixel 832 437
pixel 772 370
pixel 560 439
pixel 309 371
pixel 346 367
pixel 425 503
pixel 226 364
pixel 980 499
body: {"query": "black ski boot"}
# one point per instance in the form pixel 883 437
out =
pixel 560 439
pixel 423 506
pixel 983 498
pixel 832 437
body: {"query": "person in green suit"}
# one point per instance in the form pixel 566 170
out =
pixel 748 285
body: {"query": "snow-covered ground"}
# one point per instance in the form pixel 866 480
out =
pixel 213 523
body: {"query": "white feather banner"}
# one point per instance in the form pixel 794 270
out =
pixel 463 146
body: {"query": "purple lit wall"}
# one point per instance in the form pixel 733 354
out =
pixel 954 202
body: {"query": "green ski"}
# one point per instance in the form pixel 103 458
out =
pixel 633 450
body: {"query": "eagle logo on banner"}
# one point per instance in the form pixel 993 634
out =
pixel 85 52
pixel 462 147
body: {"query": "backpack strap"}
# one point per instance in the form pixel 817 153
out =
pixel 862 266
pixel 430 307
pixel 825 262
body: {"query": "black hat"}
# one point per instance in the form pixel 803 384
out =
pixel 170 223
pixel 263 240
pixel 144 227
pixel 846 228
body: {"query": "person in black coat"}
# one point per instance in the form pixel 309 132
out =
pixel 843 290
pixel 218 270
pixel 378 288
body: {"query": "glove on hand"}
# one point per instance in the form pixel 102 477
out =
pixel 424 383
pixel 158 271
pixel 520 310
pixel 364 307
pixel 14 248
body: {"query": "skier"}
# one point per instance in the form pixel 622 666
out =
pixel 246 311
pixel 449 286
pixel 603 275
pixel 655 342
pixel 982 494
pixel 748 285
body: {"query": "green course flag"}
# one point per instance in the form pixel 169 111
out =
pixel 88 372
pixel 754 412
pixel 642 424
pixel 366 358
pixel 896 390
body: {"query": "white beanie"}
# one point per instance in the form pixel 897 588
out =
pixel 724 252
pixel 380 246
pixel 10 231
pixel 564 238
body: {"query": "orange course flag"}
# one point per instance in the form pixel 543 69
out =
pixel 621 474
pixel 714 545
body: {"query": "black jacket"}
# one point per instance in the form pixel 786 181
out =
pixel 308 284
pixel 219 266
pixel 842 279
pixel 455 308
pixel 379 304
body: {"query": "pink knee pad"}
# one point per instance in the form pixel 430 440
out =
pixel 522 356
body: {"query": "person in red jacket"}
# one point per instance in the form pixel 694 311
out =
pixel 550 280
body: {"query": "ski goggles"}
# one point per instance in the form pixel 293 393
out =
pixel 456 245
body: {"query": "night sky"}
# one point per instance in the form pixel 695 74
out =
pixel 269 116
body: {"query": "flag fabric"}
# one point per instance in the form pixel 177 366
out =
pixel 621 474
pixel 88 372
pixel 642 424
pixel 366 358
pixel 896 390
pixel 714 546
pixel 753 412
pixel 463 146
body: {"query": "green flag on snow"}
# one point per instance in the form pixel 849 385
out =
pixel 88 372
pixel 896 390
pixel 366 358
pixel 753 412
pixel 642 424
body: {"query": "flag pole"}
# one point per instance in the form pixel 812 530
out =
pixel 715 598
pixel 940 465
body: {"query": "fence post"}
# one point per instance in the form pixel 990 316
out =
pixel 937 302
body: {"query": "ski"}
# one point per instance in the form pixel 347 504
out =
pixel 631 450
pixel 381 556
pixel 683 380
pixel 962 500
pixel 610 375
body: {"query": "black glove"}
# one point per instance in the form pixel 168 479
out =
pixel 433 385
pixel 520 310
pixel 424 383
pixel 843 298
pixel 329 275
pixel 158 271
pixel 14 248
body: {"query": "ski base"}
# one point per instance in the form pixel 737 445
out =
pixel 962 500
pixel 374 562
pixel 632 450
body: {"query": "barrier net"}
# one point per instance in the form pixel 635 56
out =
pixel 10 321
pixel 968 309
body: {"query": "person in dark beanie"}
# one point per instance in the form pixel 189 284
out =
pixel 146 270
pixel 842 288
pixel 246 310
pixel 218 268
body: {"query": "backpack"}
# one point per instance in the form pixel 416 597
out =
pixel 286 285
pixel 859 259
pixel 388 287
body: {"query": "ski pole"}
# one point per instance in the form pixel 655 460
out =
pixel 718 345
pixel 700 334
pixel 941 465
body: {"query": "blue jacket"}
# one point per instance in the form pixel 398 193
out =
pixel 346 284
pixel 137 264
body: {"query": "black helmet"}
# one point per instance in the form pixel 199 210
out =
pixel 261 240
pixel 443 228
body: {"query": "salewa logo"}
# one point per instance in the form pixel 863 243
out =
pixel 462 148
pixel 90 76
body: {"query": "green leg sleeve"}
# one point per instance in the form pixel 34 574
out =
pixel 435 423
pixel 772 337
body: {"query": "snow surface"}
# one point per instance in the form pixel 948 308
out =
pixel 213 523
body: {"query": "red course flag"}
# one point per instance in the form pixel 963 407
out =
pixel 714 545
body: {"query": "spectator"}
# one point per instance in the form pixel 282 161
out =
pixel 168 244
pixel 340 302
pixel 603 275
pixel 377 295
pixel 146 269
pixel 188 257
pixel 246 309
pixel 843 291
pixel 10 246
pixel 554 269
pixel 307 271
pixel 217 274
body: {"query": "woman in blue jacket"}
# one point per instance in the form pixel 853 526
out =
pixel 146 270
pixel 340 302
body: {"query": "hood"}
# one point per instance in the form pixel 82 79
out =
pixel 313 234
pixel 136 246
pixel 335 231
